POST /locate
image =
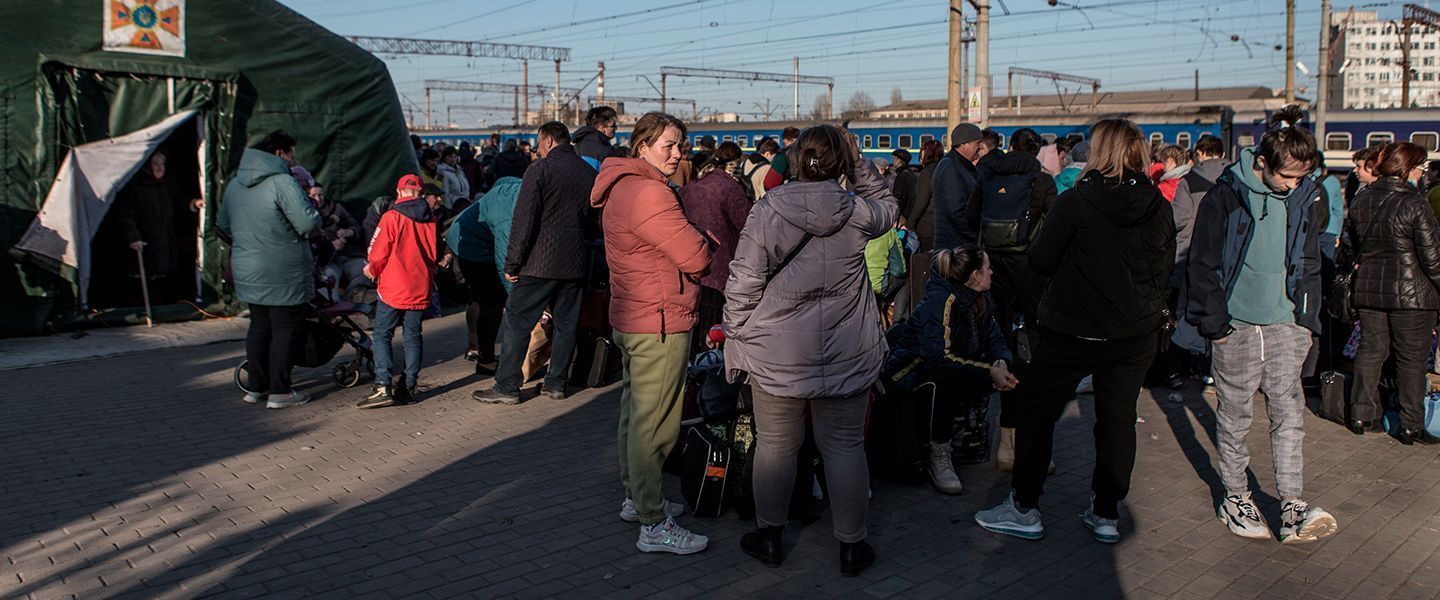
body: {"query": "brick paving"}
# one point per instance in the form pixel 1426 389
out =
pixel 145 476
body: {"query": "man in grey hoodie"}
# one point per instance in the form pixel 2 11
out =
pixel 1209 164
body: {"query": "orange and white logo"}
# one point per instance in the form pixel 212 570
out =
pixel 145 26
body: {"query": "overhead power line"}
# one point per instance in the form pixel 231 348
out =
pixel 391 45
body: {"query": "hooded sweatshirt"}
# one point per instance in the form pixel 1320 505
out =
pixel 592 145
pixel 1169 180
pixel 402 255
pixel 1109 245
pixel 809 327
pixel 1260 295
pixel 269 219
pixel 655 255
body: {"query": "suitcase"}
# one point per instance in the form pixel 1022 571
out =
pixel 705 469
pixel 1334 397
pixel 899 433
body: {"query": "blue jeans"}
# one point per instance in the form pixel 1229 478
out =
pixel 386 318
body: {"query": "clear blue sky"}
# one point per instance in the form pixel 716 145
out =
pixel 871 46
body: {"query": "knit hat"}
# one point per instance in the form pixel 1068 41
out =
pixel 963 133
pixel 302 177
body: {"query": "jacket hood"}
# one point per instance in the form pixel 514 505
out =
pixel 1176 172
pixel 415 209
pixel 1247 176
pixel 257 166
pixel 820 208
pixel 1010 163
pixel 615 169
pixel 585 132
pixel 1127 202
pixel 1210 169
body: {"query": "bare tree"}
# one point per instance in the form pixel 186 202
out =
pixel 895 96
pixel 859 104
pixel 820 110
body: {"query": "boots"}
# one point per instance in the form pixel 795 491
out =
pixel 942 470
pixel 855 557
pixel 1005 455
pixel 764 544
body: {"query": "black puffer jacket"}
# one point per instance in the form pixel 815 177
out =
pixel 1109 246
pixel 1395 235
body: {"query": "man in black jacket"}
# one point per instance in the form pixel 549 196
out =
pixel 592 140
pixel 547 241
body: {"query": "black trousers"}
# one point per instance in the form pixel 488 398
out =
pixel 274 335
pixel 529 298
pixel 1405 334
pixel 956 391
pixel 487 306
pixel 1119 368
pixel 1016 289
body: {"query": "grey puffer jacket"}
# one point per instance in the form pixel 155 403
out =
pixel 813 330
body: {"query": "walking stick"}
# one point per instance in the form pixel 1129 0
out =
pixel 144 285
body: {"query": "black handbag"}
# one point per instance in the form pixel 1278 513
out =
pixel 1341 303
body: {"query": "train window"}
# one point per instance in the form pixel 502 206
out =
pixel 1337 141
pixel 1428 140
pixel 925 138
pixel 1048 137
pixel 1182 140
pixel 1245 140
pixel 1075 138
pixel 866 142
pixel 1157 138
pixel 1379 138
pixel 905 141
pixel 728 138
pixel 884 140
pixel 743 140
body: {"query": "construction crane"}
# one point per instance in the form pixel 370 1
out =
pixel 796 78
pixel 1015 101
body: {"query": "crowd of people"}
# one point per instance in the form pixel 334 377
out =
pixel 830 282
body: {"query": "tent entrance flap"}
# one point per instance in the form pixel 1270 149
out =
pixel 84 191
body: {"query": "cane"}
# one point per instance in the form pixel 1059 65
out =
pixel 144 285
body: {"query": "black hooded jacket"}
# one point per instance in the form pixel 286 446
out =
pixel 1109 247
pixel 590 143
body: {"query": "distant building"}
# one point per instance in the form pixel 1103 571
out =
pixel 1366 62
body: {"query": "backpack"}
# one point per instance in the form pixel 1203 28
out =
pixel 1005 211
pixel 747 177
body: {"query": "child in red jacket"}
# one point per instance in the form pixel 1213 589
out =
pixel 402 259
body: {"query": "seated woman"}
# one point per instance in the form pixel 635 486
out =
pixel 953 341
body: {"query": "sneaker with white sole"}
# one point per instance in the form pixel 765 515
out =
pixel 254 398
pixel 1106 531
pixel 1301 523
pixel 669 536
pixel 1243 518
pixel 628 513
pixel 294 398
pixel 942 469
pixel 1007 518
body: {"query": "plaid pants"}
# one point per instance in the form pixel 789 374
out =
pixel 1267 358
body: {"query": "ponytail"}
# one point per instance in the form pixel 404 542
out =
pixel 1286 141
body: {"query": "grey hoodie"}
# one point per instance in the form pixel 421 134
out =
pixel 811 329
pixel 1186 203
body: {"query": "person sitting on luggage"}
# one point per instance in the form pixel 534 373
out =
pixel 953 341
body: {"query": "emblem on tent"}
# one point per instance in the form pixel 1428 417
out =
pixel 145 26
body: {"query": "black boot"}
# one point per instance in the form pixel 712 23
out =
pixel 764 544
pixel 855 557
pixel 1363 427
pixel 1417 436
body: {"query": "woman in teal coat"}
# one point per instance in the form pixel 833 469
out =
pixel 267 220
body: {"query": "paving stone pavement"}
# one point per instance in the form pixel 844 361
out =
pixel 145 476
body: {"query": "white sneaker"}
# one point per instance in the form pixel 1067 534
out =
pixel 1007 518
pixel 1301 523
pixel 628 513
pixel 1106 531
pixel 294 398
pixel 669 536
pixel 942 470
pixel 254 398
pixel 1243 518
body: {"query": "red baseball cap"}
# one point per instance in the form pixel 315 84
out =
pixel 409 182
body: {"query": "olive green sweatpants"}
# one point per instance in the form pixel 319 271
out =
pixel 650 413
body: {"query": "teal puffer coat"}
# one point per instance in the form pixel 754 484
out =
pixel 268 218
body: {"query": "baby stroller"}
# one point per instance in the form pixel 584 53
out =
pixel 327 328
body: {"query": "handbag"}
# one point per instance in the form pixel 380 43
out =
pixel 1341 303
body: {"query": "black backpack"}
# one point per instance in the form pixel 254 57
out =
pixel 1005 211
pixel 747 182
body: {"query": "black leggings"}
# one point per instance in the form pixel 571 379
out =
pixel 956 391
pixel 487 306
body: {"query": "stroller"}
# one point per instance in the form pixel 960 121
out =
pixel 328 327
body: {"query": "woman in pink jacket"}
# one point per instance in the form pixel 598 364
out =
pixel 656 258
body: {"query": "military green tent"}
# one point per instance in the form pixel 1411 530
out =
pixel 89 88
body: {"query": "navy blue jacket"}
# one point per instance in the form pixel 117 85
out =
pixel 953 188
pixel 1224 228
pixel 944 333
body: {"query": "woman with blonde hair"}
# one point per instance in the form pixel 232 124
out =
pixel 1108 246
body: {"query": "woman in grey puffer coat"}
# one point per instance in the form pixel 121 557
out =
pixel 807 332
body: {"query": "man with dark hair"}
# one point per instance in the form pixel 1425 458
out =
pixel 430 168
pixel 780 165
pixel 544 263
pixel 1209 164
pixel 702 156
pixel 904 179
pixel 989 142
pixel 269 219
pixel 592 140
pixel 953 187
pixel 509 163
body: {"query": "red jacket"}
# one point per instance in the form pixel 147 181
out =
pixel 402 255
pixel 655 255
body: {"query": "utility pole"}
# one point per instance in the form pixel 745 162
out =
pixel 954 90
pixel 1322 91
pixel 600 84
pixel 525 90
pixel 1290 51
pixel 797 88
pixel 427 108
pixel 559 114
pixel 982 59
pixel 662 91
